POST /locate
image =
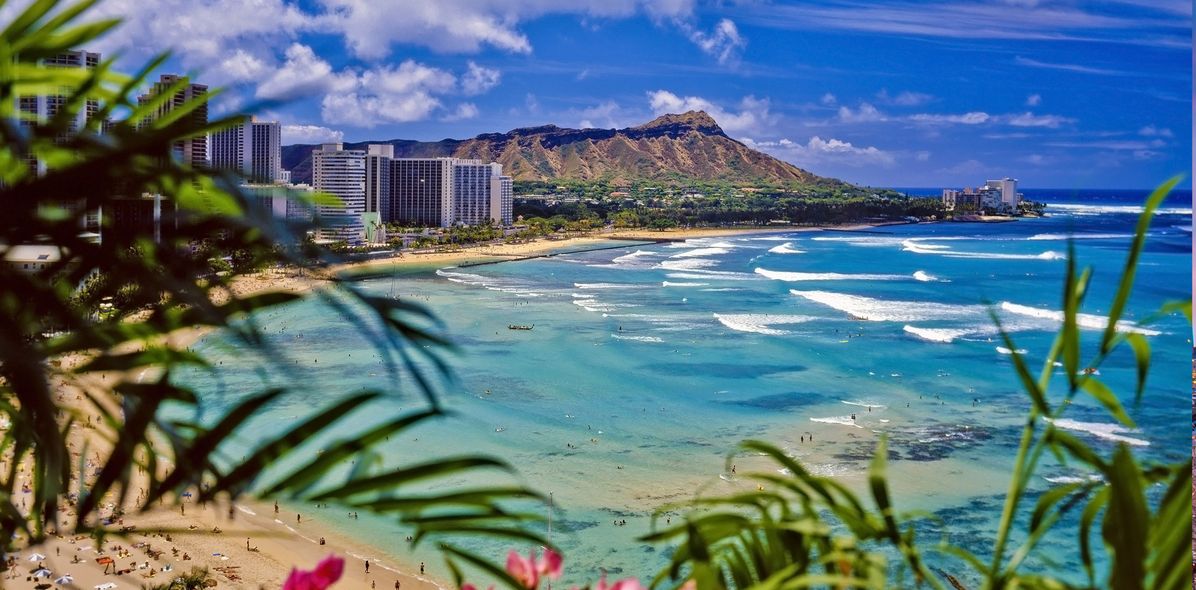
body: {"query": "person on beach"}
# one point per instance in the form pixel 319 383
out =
pixel 367 567
pixel 421 568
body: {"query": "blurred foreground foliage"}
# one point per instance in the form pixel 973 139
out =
pixel 103 150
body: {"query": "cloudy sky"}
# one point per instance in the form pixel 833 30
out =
pixel 1059 93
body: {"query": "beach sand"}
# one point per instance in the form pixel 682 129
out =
pixel 276 543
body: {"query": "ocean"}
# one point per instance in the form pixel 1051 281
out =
pixel 649 362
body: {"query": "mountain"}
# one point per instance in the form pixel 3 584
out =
pixel 685 147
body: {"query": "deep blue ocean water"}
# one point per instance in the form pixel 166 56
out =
pixel 648 363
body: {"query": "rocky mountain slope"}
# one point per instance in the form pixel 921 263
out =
pixel 686 147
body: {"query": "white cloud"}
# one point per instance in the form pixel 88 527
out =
pixel 388 95
pixel 478 79
pixel 1116 145
pixel 865 114
pixel 828 99
pixel 753 114
pixel 1028 119
pixel 302 74
pixel 819 152
pixel 465 110
pixel 531 103
pixel 292 134
pixel 904 99
pixel 724 43
pixel 922 156
pixel 467 26
pixel 1078 68
pixel 1033 100
pixel 1152 131
pixel 605 115
pixel 242 66
pixel 972 118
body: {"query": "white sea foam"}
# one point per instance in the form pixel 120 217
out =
pixel 687 264
pixel 769 239
pixel 492 284
pixel 1082 209
pixel 721 289
pixel 786 248
pixel 1003 350
pixel 760 323
pixel 1113 432
pixel 652 339
pixel 864 404
pixel 925 277
pixel 1066 479
pixel 944 335
pixel 713 275
pixel 1038 237
pixel 583 295
pixel 629 258
pixel 1083 320
pixel 921 246
pixel 673 284
pixel 606 286
pixel 866 241
pixel 841 420
pixel 701 252
pixel 593 305
pixel 824 276
pixel 881 310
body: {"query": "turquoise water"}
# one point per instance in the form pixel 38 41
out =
pixel 648 364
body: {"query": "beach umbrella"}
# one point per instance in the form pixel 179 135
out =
pixel 65 579
pixel 106 586
pixel 42 573
pixel 36 557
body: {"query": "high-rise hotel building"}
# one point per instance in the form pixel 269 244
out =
pixel 193 151
pixel 477 193
pixel 341 173
pixel 252 147
pixel 44 107
pixel 421 192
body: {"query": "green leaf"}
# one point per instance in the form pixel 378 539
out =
pixel 1141 349
pixel 1101 393
pixel 1126 523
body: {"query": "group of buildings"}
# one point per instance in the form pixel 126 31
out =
pixel 373 188
pixel 996 196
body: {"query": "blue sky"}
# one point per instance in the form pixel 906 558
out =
pixel 936 93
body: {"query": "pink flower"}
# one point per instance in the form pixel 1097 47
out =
pixel 527 570
pixel 523 569
pixel 624 584
pixel 551 564
pixel 327 572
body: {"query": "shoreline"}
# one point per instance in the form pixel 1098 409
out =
pixel 246 545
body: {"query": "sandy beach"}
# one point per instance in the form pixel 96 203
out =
pixel 249 545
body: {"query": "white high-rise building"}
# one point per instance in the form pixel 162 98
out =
pixel 506 201
pixel 1008 187
pixel 253 148
pixel 341 173
pixel 378 160
pixel 192 151
pixel 477 192
pixel 44 107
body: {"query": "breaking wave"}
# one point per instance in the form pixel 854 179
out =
pixel 786 248
pixel 652 339
pixel 760 323
pixel 824 276
pixel 881 310
pixel 943 335
pixel 1113 432
pixel 1083 320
